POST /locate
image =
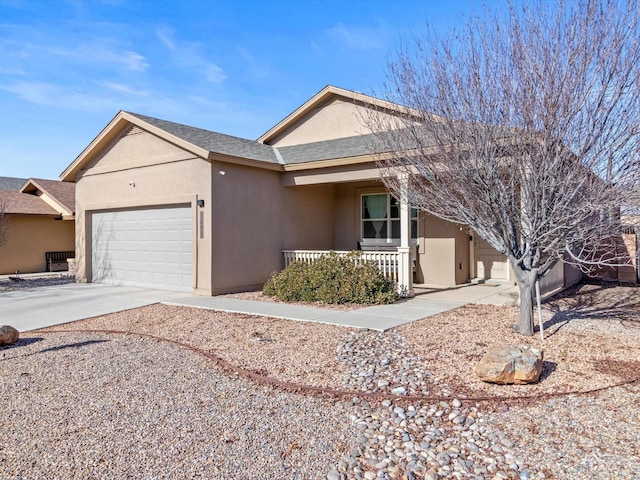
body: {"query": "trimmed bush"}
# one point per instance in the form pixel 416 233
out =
pixel 332 279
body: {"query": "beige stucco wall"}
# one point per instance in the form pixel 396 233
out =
pixel 337 118
pixel 553 281
pixel 572 275
pixel 141 170
pixel 437 256
pixel 628 273
pixel 347 212
pixel 462 259
pixel 29 237
pixel 255 218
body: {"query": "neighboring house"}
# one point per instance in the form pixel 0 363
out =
pixel 11 183
pixel 164 205
pixel 39 219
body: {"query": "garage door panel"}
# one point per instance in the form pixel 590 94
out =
pixel 147 248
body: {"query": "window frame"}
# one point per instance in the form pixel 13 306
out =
pixel 389 240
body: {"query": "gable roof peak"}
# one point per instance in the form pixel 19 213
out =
pixel 59 195
pixel 328 92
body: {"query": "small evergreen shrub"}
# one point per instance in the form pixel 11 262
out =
pixel 332 279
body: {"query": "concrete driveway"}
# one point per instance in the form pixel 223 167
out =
pixel 53 305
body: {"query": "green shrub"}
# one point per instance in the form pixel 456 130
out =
pixel 332 279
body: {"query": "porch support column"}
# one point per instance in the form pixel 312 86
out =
pixel 405 267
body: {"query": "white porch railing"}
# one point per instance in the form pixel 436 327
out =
pixel 387 262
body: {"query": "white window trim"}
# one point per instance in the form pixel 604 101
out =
pixel 395 242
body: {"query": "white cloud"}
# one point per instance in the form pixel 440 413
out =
pixel 134 61
pixel 190 56
pixel 356 37
pixel 11 70
pixel 125 89
pixel 215 74
pixel 52 95
pixel 103 52
pixel 165 34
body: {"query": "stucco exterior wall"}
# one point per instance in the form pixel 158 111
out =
pixel 338 118
pixel 462 259
pixel 572 275
pixel 255 218
pixel 553 281
pixel 308 215
pixel 135 148
pixel 29 237
pixel 438 251
pixel 142 170
pixel 628 273
pixel 347 212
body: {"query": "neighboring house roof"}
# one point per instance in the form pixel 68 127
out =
pixel 14 202
pixel 11 183
pixel 59 195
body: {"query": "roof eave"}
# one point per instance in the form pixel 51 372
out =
pixel 334 162
pixel 248 162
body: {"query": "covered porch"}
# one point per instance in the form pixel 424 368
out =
pixel 349 209
pixel 367 220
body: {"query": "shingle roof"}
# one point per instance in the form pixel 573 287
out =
pixel 243 148
pixel 11 183
pixel 213 141
pixel 328 149
pixel 14 202
pixel 62 192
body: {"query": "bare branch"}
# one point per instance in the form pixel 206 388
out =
pixel 525 128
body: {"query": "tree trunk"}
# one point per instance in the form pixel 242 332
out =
pixel 526 285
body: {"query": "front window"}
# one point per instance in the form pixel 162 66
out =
pixel 381 219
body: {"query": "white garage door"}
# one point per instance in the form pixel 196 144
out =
pixel 144 248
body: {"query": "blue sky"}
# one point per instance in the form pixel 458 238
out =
pixel 237 67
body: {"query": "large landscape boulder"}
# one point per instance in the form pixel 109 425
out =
pixel 507 365
pixel 8 335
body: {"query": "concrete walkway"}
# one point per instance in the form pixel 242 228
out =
pixel 482 293
pixel 53 305
pixel 429 300
pixel 380 317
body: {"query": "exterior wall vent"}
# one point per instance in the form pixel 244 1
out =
pixel 132 130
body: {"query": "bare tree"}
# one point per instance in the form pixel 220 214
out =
pixel 524 127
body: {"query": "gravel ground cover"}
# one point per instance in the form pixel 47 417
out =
pixel 593 341
pixel 77 406
pixel 25 283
